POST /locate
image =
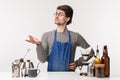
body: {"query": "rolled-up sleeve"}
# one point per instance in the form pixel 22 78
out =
pixel 82 42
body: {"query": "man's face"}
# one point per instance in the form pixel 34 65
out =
pixel 60 17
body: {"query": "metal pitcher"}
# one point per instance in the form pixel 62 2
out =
pixel 28 64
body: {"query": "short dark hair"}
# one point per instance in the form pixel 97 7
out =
pixel 68 11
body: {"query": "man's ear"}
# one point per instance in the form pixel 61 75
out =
pixel 67 19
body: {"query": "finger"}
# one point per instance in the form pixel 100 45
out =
pixel 31 38
pixel 27 40
pixel 72 67
pixel 72 64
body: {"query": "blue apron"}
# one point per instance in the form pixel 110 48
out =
pixel 61 55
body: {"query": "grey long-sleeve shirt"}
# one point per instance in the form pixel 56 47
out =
pixel 44 49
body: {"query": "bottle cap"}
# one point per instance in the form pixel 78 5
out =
pixel 105 46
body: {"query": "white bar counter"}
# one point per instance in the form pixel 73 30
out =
pixel 55 76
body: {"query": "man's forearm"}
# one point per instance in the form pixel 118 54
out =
pixel 41 53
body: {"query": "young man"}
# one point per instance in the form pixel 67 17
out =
pixel 58 46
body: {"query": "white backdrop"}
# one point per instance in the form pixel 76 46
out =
pixel 97 20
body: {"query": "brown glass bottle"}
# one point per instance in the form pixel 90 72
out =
pixel 106 60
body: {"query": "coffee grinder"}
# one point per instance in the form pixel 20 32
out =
pixel 87 56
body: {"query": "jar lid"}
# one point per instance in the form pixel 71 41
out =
pixel 99 65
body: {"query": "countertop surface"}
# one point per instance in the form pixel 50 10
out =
pixel 55 76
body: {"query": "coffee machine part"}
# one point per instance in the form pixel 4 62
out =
pixel 26 53
pixel 87 55
pixel 83 69
pixel 27 66
pixel 91 69
pixel 22 67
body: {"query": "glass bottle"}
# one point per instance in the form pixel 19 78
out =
pixel 106 61
pixel 97 57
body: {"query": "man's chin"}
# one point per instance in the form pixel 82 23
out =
pixel 57 23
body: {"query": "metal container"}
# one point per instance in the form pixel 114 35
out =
pixel 16 68
pixel 27 66
pixel 20 67
pixel 91 71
